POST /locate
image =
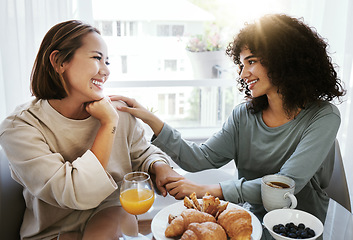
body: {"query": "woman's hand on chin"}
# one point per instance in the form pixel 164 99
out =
pixel 103 110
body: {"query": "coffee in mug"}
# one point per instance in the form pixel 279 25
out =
pixel 277 191
pixel 278 185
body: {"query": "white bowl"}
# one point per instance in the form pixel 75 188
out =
pixel 284 216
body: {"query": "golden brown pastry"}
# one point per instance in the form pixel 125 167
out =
pixel 178 225
pixel 221 208
pixel 171 217
pixel 237 223
pixel 195 201
pixel 188 203
pixel 204 231
pixel 210 204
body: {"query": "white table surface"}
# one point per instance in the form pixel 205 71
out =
pixel 338 224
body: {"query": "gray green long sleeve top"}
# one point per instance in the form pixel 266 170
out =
pixel 302 149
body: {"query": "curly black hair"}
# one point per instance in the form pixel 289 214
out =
pixel 296 59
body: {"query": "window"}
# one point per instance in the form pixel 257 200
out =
pixel 177 30
pixel 107 28
pixel 170 30
pixel 170 65
pixel 149 62
pixel 171 104
pixel 163 30
pixel 161 104
pixel 132 28
pixel 123 64
pixel 118 28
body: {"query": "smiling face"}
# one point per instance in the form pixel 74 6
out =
pixel 255 75
pixel 87 71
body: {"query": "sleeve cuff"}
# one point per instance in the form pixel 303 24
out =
pixel 95 183
pixel 230 190
pixel 93 165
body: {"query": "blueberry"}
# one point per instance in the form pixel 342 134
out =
pixel 276 229
pixel 292 235
pixel 311 232
pixel 293 231
pixel 290 225
pixel 304 234
pixel 301 225
pixel 282 230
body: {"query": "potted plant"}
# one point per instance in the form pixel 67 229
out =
pixel 209 42
pixel 207 54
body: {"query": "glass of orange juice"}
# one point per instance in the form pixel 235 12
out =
pixel 136 193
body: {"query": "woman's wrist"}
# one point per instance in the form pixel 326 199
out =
pixel 158 128
pixel 109 122
pixel 156 124
pixel 215 190
pixel 155 164
pixel 109 126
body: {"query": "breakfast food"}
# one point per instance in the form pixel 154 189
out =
pixel 209 218
pixel 293 231
pixel 236 223
pixel 204 231
pixel 179 224
pixel 210 204
pixel 192 202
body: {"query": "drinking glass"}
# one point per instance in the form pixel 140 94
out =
pixel 136 195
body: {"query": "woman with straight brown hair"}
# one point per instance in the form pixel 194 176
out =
pixel 69 147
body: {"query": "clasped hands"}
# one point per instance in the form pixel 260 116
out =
pixel 169 181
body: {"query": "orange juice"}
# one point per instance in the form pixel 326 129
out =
pixel 137 201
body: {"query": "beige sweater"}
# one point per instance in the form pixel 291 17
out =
pixel 64 183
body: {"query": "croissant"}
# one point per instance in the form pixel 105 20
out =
pixel 179 224
pixel 237 223
pixel 204 231
pixel 210 204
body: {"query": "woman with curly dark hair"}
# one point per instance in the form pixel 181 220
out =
pixel 296 61
pixel 287 125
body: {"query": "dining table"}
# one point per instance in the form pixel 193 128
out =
pixel 338 224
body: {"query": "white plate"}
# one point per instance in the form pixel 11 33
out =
pixel 160 221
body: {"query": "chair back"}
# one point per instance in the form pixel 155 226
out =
pixel 12 204
pixel 338 188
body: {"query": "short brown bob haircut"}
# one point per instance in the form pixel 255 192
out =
pixel 66 37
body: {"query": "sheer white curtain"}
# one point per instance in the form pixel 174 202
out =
pixel 23 25
pixel 24 22
pixel 342 33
